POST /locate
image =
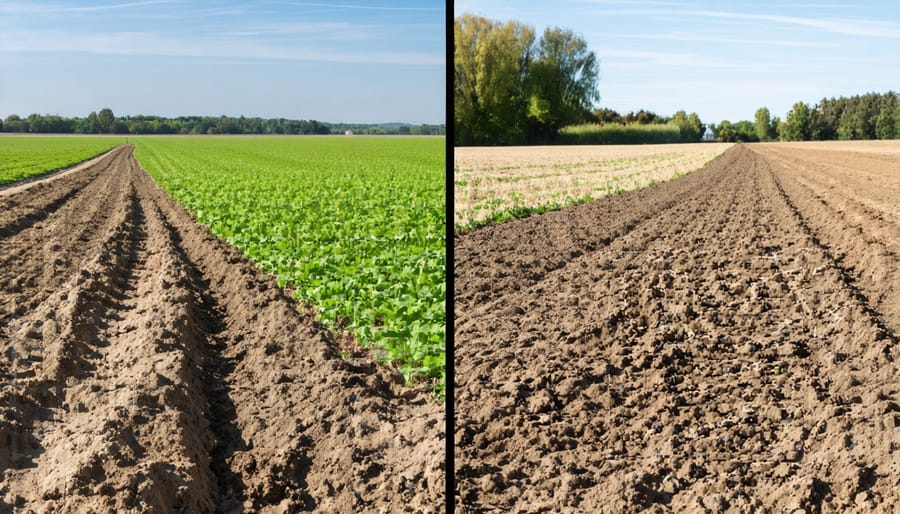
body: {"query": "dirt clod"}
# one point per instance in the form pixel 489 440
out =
pixel 746 317
pixel 148 367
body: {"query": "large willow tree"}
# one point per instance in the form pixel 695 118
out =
pixel 490 72
pixel 510 89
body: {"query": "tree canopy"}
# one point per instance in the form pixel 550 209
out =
pixel 490 64
pixel 868 116
pixel 798 124
pixel 510 88
pixel 107 123
pixel 765 129
pixel 563 83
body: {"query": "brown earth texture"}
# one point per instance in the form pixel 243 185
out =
pixel 725 342
pixel 147 366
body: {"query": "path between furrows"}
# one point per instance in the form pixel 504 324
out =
pixel 725 342
pixel 148 367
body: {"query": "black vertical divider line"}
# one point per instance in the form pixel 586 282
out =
pixel 449 405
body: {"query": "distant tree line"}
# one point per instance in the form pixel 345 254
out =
pixel 105 122
pixel 511 88
pixel 868 116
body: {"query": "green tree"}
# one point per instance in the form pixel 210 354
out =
pixel 106 121
pixel 13 123
pixel 849 126
pixel 491 65
pixel 725 132
pixel 885 124
pixel 745 131
pixel 37 123
pixel 226 125
pixel 92 124
pixel 690 125
pixel 764 127
pixel 797 125
pixel 606 115
pixel 695 126
pixel 563 82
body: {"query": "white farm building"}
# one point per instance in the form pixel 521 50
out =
pixel 709 135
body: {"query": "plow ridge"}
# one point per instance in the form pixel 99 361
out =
pixel 732 352
pixel 510 261
pixel 148 366
pixel 846 275
pixel 44 201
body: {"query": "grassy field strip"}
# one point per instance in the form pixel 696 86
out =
pixel 501 183
pixel 355 225
pixel 27 156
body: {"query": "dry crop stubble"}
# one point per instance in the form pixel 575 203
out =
pixel 490 181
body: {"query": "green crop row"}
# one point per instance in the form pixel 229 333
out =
pixel 355 224
pixel 25 156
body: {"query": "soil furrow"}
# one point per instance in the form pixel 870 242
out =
pixel 22 208
pixel 866 245
pixel 846 274
pixel 282 364
pixel 57 339
pixel 167 374
pixel 712 360
pixel 872 181
pixel 515 260
pixel 52 243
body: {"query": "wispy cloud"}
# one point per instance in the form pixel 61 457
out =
pixel 38 8
pixel 631 2
pixel 853 27
pixel 332 31
pixel 153 44
pixel 737 41
pixel 816 5
pixel 662 61
pixel 364 6
pixel 342 31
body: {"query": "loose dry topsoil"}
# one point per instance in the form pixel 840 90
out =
pixel 147 366
pixel 725 342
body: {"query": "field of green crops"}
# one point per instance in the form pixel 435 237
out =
pixel 355 225
pixel 25 157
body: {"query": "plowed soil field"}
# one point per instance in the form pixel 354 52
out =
pixel 147 366
pixel 724 342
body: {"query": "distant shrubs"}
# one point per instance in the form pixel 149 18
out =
pixel 617 134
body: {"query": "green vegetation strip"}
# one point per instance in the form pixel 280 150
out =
pixel 23 157
pixel 355 224
pixel 499 214
pixel 616 134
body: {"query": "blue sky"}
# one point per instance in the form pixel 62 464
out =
pixel 723 59
pixel 330 60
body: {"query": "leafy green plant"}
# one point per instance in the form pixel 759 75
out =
pixel 26 156
pixel 355 225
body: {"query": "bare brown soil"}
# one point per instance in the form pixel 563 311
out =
pixel 724 342
pixel 148 367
